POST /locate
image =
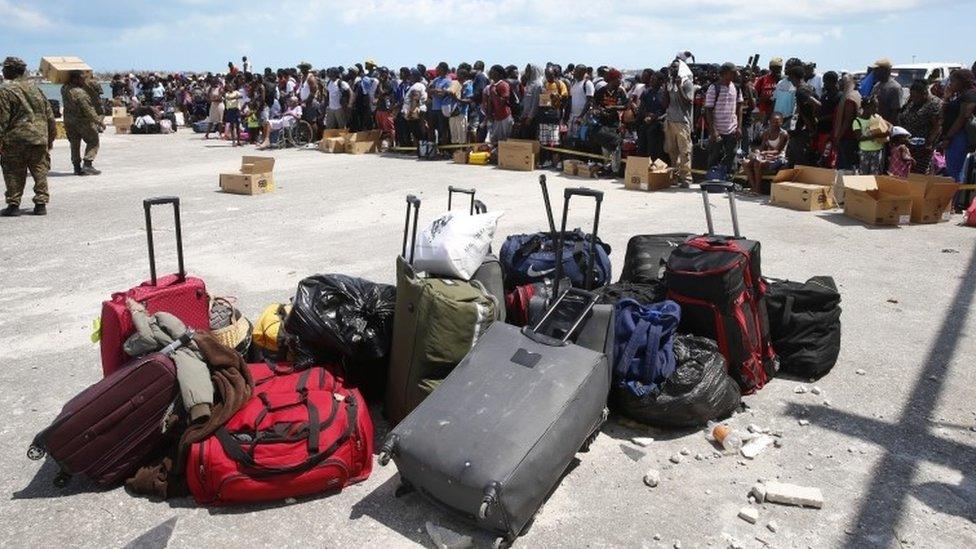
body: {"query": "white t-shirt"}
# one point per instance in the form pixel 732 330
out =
pixel 578 94
pixel 335 89
pixel 304 92
pixel 290 85
pixel 421 90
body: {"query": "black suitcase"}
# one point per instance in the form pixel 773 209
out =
pixel 647 254
pixel 494 440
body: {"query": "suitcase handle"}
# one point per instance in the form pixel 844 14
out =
pixel 479 207
pixel 534 333
pixel 545 198
pixel 716 186
pixel 591 263
pixel 415 202
pixel 147 205
pixel 450 194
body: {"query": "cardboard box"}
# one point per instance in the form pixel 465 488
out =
pixel 122 130
pixel 931 197
pixel 570 166
pixel 119 111
pixel 460 156
pixel 518 154
pixel 122 121
pixel 333 141
pixel 255 177
pixel 878 199
pixel 363 142
pixel 643 175
pixel 585 170
pixel 804 188
pixel 56 69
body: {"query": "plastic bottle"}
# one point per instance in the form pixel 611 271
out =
pixel 727 437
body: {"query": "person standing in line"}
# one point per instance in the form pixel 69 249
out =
pixel 232 112
pixel 339 97
pixel 580 101
pixel 215 94
pixel 723 111
pixel 765 88
pixel 845 139
pixel 887 91
pixel 679 99
pixel 81 123
pixel 498 109
pixel 27 132
pixel 245 64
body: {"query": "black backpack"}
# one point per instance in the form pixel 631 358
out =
pixel 804 325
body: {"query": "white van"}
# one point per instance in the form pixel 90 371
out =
pixel 906 74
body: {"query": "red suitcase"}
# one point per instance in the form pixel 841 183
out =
pixel 108 430
pixel 182 296
pixel 301 433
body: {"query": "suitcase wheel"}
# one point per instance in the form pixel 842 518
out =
pixel 35 453
pixel 501 543
pixel 61 479
pixel 384 458
pixel 386 452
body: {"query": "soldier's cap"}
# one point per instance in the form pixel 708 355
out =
pixel 14 63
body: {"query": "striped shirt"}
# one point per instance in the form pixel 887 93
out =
pixel 724 99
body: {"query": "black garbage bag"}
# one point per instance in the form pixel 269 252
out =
pixel 342 319
pixel 697 392
pixel 804 325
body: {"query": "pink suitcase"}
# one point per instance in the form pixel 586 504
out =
pixel 182 296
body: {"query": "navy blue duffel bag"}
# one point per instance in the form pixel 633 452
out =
pixel 529 258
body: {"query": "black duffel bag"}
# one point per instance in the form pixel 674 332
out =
pixel 697 392
pixel 804 325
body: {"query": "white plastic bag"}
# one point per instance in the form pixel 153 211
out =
pixel 455 244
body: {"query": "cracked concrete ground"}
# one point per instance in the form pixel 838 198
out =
pixel 893 451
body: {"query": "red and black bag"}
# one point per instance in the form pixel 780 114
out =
pixel 184 297
pixel 303 432
pixel 718 282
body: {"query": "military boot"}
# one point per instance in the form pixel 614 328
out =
pixel 40 209
pixel 78 170
pixel 12 210
pixel 89 169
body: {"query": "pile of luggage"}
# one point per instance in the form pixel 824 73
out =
pixel 493 371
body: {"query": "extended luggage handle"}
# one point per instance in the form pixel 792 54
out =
pixel 451 189
pixel 147 205
pixel 545 198
pixel 589 275
pixel 716 186
pixel 589 300
pixel 479 207
pixel 415 202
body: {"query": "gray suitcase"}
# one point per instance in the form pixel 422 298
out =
pixel 494 440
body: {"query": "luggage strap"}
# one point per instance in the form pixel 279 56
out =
pixel 236 451
pixel 645 335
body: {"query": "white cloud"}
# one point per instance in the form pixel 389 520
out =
pixel 20 17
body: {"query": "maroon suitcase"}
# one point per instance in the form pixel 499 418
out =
pixel 182 296
pixel 108 430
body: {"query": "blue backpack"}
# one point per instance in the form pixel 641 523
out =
pixel 643 346
pixel 530 258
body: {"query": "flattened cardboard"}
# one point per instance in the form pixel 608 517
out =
pixel 806 196
pixel 55 69
pixel 517 154
pixel 931 197
pixel 877 200
pixel 363 142
pixel 643 175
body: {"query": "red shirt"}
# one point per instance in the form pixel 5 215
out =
pixel 498 100
pixel 765 86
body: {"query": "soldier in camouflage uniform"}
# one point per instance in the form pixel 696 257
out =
pixel 81 122
pixel 27 133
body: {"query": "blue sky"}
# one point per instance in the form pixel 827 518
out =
pixel 205 34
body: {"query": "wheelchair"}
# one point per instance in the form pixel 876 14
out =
pixel 297 135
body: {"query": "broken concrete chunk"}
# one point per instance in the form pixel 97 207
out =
pixel 759 491
pixel 772 526
pixel 799 389
pixel 652 477
pixel 792 494
pixel 749 514
pixel 804 422
pixel 642 441
pixel 675 458
pixel 685 451
pixel 816 390
pixel 755 446
pixel 445 538
pixel 860 371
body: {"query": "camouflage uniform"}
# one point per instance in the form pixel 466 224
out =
pixel 94 90
pixel 26 123
pixel 81 121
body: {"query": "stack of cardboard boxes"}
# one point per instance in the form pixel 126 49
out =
pixel 254 177
pixel 341 141
pixel 885 200
pixel 121 120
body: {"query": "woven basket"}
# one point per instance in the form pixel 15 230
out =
pixel 236 334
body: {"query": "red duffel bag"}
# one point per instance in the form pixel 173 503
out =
pixel 301 433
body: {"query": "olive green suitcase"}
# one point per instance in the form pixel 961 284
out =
pixel 436 322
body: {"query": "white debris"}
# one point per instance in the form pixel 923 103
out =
pixel 685 451
pixel 291 501
pixel 652 477
pixel 445 538
pixel 657 537
pixel 677 544
pixel 759 491
pixel 860 371
pixel 755 446
pixel 642 441
pixel 749 514
pixel 699 457
pixel 792 494
pixel 826 403
pixel 809 467
pixel 772 526
pixel 675 458
pixel 804 422
pixel 708 492
pixel 816 390
pixel 753 428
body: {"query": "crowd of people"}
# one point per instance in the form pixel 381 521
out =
pixel 722 117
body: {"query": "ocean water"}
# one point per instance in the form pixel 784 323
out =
pixel 53 91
